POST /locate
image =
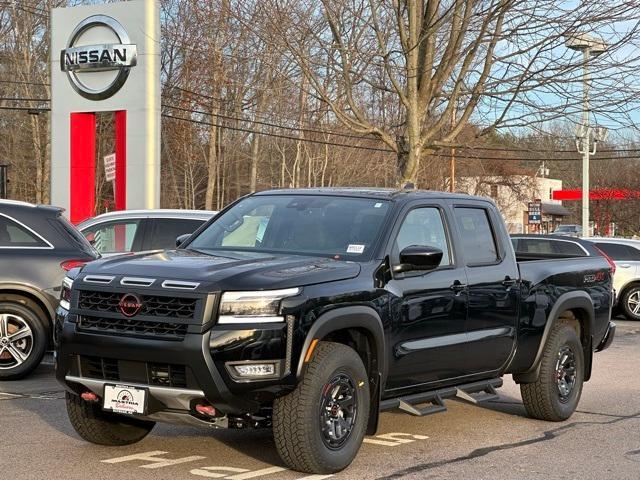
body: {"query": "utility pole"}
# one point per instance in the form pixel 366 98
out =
pixel 452 175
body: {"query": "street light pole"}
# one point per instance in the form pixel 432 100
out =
pixel 589 45
pixel 585 143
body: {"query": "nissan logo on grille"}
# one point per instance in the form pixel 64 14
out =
pixel 78 59
pixel 130 305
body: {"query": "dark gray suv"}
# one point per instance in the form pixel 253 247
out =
pixel 37 246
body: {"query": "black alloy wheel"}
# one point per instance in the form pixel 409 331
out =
pixel 338 410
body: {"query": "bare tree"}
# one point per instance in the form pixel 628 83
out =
pixel 435 57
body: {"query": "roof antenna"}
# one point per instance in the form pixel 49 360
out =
pixel 409 186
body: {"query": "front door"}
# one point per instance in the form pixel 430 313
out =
pixel 428 309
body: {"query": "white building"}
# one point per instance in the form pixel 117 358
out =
pixel 512 194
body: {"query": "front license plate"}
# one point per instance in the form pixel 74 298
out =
pixel 124 399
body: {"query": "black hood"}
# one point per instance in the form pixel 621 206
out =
pixel 227 270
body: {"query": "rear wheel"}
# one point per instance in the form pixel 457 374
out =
pixel 556 393
pixel 630 303
pixel 23 337
pixel 319 427
pixel 104 428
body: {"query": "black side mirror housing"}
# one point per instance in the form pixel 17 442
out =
pixel 182 238
pixel 419 257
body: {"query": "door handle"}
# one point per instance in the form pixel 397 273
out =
pixel 624 265
pixel 458 286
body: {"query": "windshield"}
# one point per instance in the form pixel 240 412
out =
pixel 318 225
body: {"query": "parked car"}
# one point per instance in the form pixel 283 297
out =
pixel 568 230
pixel 626 281
pixel 310 311
pixel 37 246
pixel 138 230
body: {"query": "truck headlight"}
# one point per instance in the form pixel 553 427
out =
pixel 65 293
pixel 254 307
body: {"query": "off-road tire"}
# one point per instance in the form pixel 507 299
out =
pixel 624 303
pixel 542 398
pixel 38 322
pixel 296 416
pixel 104 428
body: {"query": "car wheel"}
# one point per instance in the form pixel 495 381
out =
pixel 319 427
pixel 630 303
pixel 23 337
pixel 555 395
pixel 104 428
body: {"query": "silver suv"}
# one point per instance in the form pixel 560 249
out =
pixel 626 281
pixel 140 230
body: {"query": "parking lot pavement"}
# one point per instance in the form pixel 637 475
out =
pixel 497 440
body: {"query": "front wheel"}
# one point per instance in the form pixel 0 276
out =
pixel 319 427
pixel 556 393
pixel 104 428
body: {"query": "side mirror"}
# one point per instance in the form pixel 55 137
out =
pixel 182 238
pixel 418 257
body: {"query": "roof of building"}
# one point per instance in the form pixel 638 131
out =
pixel 555 209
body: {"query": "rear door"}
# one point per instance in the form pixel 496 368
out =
pixel 493 283
pixel 161 233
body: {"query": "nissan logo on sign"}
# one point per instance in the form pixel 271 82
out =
pixel 83 57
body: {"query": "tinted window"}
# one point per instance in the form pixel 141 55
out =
pixel 618 251
pixel 477 237
pixel 320 225
pixel 546 246
pixel 424 227
pixel 113 237
pixel 164 231
pixel 14 235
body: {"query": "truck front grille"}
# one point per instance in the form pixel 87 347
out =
pixel 144 373
pixel 131 327
pixel 152 305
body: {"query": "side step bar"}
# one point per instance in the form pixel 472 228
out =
pixel 434 400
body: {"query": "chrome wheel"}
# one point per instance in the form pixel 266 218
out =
pixel 16 341
pixel 338 409
pixel 633 302
pixel 565 373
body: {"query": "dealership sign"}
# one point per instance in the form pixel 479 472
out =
pixel 78 58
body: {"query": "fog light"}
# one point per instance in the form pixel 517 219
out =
pixel 256 370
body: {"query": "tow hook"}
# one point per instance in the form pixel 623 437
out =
pixel 89 397
pixel 206 410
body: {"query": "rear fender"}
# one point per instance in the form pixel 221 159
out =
pixel 577 300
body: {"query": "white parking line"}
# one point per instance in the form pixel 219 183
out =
pixel 6 396
pixel 157 459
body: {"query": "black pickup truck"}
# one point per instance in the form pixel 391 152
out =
pixel 311 311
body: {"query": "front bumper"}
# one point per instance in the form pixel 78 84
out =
pixel 203 356
pixel 608 337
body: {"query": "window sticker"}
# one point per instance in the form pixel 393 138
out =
pixel 377 205
pixel 355 248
